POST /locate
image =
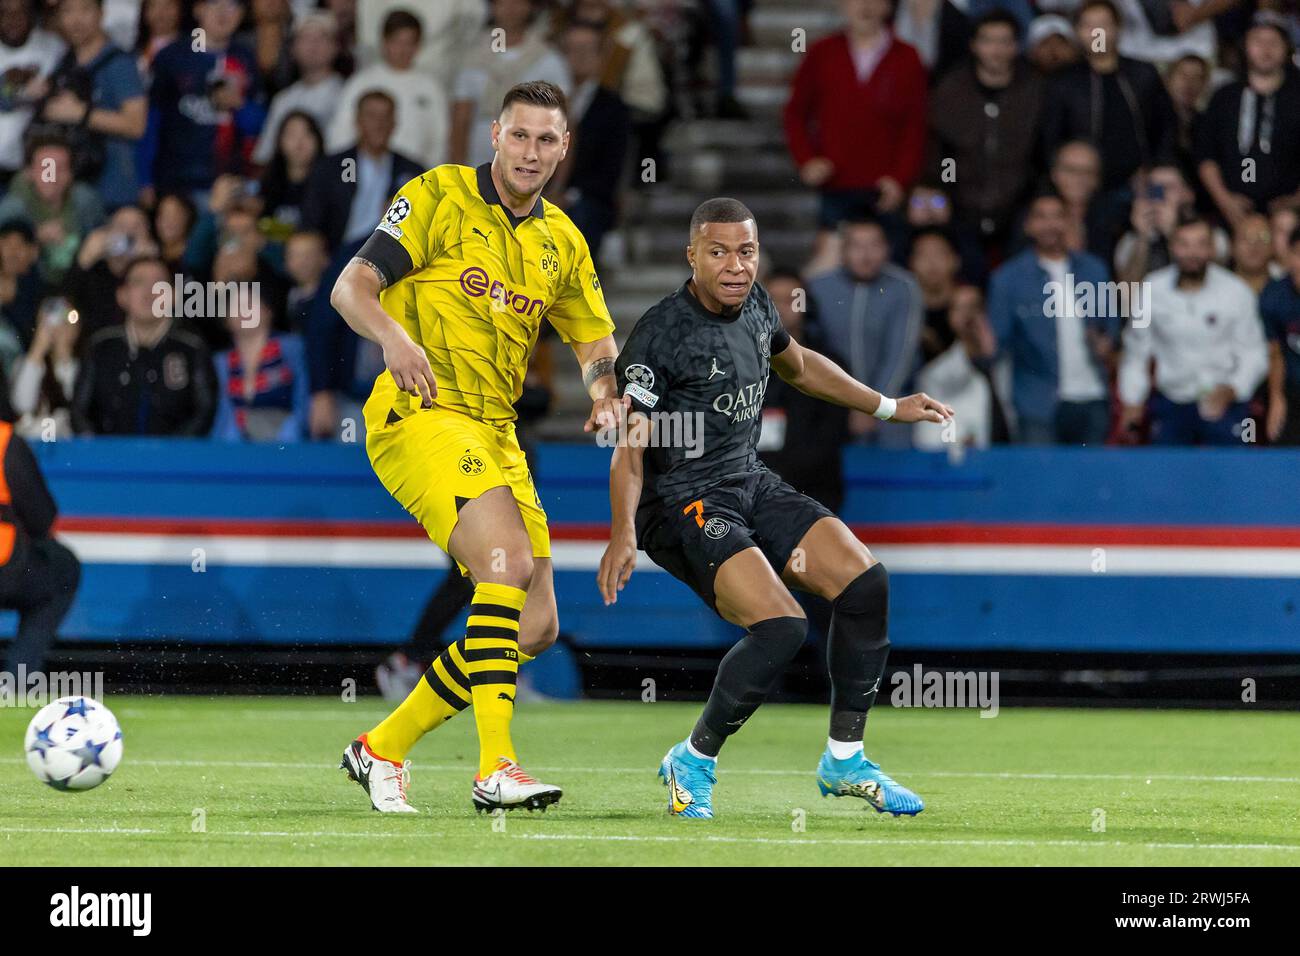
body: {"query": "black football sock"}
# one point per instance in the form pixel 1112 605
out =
pixel 745 677
pixel 856 651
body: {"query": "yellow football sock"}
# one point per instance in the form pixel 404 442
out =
pixel 492 663
pixel 442 693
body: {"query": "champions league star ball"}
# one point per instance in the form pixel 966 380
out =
pixel 74 743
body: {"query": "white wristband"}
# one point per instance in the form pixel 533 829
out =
pixel 885 410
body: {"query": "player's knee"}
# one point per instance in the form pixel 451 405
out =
pixel 781 637
pixel 512 565
pixel 867 595
pixel 537 637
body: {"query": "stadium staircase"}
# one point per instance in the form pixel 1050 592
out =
pixel 746 159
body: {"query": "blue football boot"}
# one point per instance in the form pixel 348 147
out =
pixel 690 781
pixel 859 777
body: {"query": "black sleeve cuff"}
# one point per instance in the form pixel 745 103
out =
pixel 389 255
pixel 780 340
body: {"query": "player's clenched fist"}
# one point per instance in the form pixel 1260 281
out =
pixel 607 413
pixel 616 566
pixel 409 366
pixel 921 408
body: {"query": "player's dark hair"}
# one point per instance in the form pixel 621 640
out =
pixel 1089 4
pixel 993 18
pixel 537 93
pixel 400 20
pixel 719 209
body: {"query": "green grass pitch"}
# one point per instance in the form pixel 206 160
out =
pixel 258 778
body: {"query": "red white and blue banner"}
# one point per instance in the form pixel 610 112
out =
pixel 1029 549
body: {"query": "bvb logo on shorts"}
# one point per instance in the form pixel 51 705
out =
pixel 471 465
pixel 716 528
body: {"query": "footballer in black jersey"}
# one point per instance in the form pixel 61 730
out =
pixel 687 487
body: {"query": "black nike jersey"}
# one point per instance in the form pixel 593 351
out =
pixel 701 378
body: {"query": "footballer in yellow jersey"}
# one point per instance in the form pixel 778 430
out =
pixel 454 284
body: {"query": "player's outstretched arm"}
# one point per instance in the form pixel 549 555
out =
pixel 597 362
pixel 816 375
pixel 356 297
pixel 625 478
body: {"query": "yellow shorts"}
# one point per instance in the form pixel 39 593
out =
pixel 435 460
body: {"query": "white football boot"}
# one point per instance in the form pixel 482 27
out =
pixel 509 788
pixel 384 780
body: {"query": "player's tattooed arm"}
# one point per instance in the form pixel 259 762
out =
pixel 598 369
pixel 597 362
pixel 379 273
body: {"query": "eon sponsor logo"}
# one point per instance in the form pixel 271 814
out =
pixel 36 689
pixel 475 282
pixel 77 909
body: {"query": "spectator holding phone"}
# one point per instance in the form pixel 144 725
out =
pixel 1145 246
pixel 100 264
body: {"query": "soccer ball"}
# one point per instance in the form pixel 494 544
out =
pixel 74 743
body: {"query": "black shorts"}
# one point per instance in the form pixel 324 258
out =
pixel 757 510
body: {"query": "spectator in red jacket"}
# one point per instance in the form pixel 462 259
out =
pixel 855 121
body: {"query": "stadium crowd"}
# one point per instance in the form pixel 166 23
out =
pixel 1076 221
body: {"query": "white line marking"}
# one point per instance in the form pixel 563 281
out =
pixel 693 839
pixel 129 547
pixel 738 772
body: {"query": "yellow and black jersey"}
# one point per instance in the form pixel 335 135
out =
pixel 471 283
